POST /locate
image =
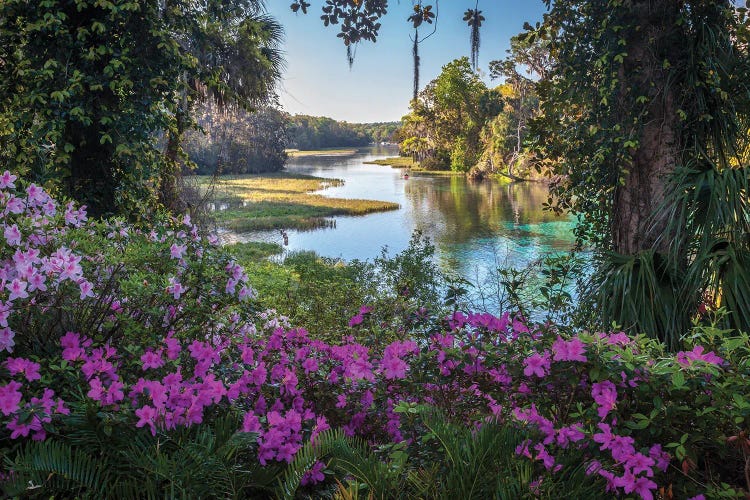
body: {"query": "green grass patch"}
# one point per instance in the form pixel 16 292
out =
pixel 395 162
pixel 254 250
pixel 438 173
pixel 280 201
pixel 296 153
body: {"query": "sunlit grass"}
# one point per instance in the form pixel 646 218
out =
pixel 254 250
pixel 413 166
pixel 280 201
pixel 296 153
pixel 395 162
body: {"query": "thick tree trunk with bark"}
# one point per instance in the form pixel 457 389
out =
pixel 639 219
pixel 169 182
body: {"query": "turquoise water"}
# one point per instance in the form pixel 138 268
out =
pixel 475 226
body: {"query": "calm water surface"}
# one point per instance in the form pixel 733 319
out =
pixel 475 226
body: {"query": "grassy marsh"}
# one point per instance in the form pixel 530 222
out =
pixel 395 162
pixel 297 153
pixel 413 166
pixel 280 201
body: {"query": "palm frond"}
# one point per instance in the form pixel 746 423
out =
pixel 53 467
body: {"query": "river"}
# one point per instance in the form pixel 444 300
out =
pixel 476 226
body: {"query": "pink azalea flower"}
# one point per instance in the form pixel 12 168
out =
pixel 687 358
pixel 29 369
pixel 12 235
pixel 393 367
pixel 17 289
pixel 246 293
pixel 10 397
pixel 536 364
pixel 6 180
pixel 6 339
pixel 14 205
pixel 569 350
pixel 355 320
pixel 314 475
pixel 5 310
pixel 36 282
pixel 87 289
pixel 146 416
pixel 151 359
pixel 251 423
pixel 175 288
pixel 605 395
pixel 177 251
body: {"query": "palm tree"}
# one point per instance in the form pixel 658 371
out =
pixel 236 62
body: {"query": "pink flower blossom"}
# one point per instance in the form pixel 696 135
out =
pixel 87 289
pixel 537 364
pixel 314 475
pixel 147 416
pixel 6 340
pixel 250 423
pixel 355 320
pixel 569 350
pixel 605 395
pixel 29 369
pixel 177 251
pixel 5 310
pixel 6 180
pixel 12 235
pixel 151 359
pixel 17 289
pixel 686 358
pixel 10 397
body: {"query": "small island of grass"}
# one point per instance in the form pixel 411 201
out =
pixel 413 166
pixel 279 200
pixel 297 153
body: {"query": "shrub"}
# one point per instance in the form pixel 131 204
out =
pixel 145 352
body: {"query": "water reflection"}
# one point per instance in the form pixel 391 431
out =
pixel 476 226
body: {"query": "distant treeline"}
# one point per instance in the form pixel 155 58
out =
pixel 242 142
pixel 318 132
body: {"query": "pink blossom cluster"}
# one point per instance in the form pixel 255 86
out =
pixel 26 414
pixel 570 392
pixel 30 222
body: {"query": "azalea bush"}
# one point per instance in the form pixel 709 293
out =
pixel 146 351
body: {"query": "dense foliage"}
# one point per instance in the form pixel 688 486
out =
pixel 237 142
pixel 143 352
pixel 86 87
pixel 645 109
pixel 443 129
pixel 319 132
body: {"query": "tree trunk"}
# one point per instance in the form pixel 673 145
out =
pixel 639 219
pixel 169 181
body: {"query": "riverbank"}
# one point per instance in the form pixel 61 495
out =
pixel 279 200
pixel 413 166
pixel 297 153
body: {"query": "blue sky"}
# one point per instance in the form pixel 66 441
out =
pixel 378 87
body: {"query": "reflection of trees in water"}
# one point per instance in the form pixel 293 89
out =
pixel 475 209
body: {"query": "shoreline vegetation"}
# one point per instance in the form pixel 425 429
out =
pixel 298 153
pixel 413 166
pixel 403 162
pixel 279 200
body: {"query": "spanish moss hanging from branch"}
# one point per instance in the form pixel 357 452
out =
pixel 422 14
pixel 415 53
pixel 474 19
